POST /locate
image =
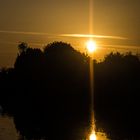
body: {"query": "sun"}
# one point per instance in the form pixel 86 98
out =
pixel 91 46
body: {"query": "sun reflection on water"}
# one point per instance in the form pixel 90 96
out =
pixel 93 136
pixel 98 136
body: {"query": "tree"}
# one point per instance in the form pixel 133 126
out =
pixel 22 47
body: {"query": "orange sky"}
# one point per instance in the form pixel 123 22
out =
pixel 42 21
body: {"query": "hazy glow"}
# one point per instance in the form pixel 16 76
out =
pixel 64 35
pixel 93 36
pixel 91 46
pixel 93 136
pixel 26 33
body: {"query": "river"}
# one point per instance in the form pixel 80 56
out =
pixel 8 130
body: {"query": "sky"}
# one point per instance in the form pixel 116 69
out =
pixel 39 22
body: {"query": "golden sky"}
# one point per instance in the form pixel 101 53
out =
pixel 38 22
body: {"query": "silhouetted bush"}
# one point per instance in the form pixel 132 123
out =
pixel 47 93
pixel 117 88
pixel 49 90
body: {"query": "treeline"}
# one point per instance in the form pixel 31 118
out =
pixel 48 93
pixel 117 95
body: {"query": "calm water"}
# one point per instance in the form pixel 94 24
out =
pixel 9 132
pixel 7 129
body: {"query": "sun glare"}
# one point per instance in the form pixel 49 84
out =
pixel 91 46
pixel 93 136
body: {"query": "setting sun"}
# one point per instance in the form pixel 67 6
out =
pixel 91 46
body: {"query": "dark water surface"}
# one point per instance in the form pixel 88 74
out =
pixel 8 131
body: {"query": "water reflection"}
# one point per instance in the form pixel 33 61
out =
pixel 8 131
pixel 93 136
pixel 101 136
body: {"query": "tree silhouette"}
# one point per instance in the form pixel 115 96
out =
pixel 52 90
pixel 117 81
pixel 22 47
pixel 49 89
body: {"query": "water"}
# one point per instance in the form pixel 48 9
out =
pixel 8 130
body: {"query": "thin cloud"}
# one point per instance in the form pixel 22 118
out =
pixel 124 47
pixel 64 35
pixel 7 42
pixel 93 36
pixel 24 33
pixel 16 43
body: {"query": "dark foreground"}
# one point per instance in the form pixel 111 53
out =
pixel 48 94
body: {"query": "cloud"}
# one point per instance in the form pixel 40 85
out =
pixel 65 35
pixel 16 43
pixel 93 36
pixel 23 33
pixel 123 47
